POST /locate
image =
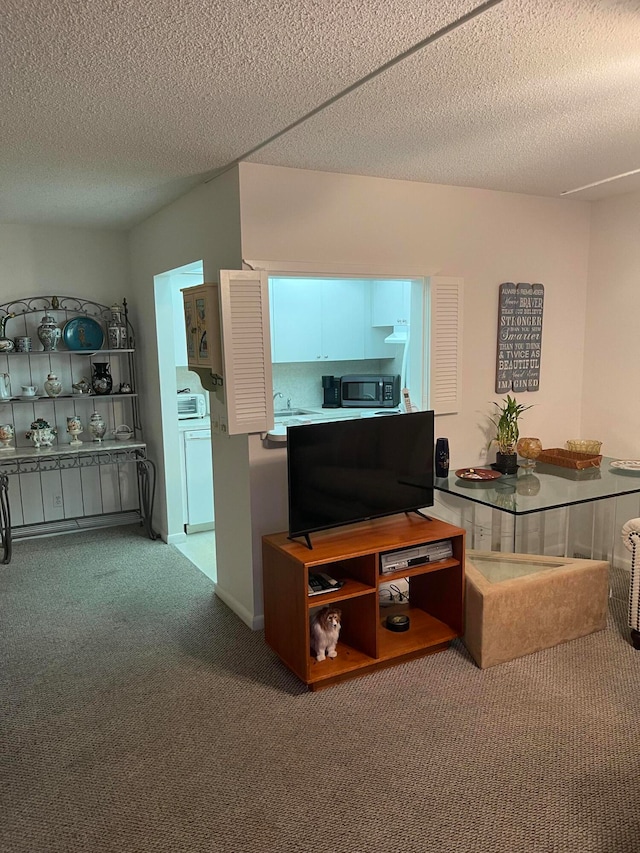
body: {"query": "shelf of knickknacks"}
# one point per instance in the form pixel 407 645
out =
pixel 10 457
pixel 118 395
pixel 73 434
pixel 43 434
pixel 59 351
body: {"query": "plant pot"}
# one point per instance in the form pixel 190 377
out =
pixel 507 463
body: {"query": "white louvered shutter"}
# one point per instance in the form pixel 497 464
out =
pixel 446 344
pixel 246 347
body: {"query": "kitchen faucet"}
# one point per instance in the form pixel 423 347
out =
pixel 277 394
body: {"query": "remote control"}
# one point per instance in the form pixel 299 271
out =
pixel 320 582
pixel 330 583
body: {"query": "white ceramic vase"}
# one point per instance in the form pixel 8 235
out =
pixel 52 386
pixel 97 426
pixel 49 333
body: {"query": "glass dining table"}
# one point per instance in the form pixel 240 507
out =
pixel 545 510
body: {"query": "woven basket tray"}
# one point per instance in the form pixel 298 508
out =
pixel 569 458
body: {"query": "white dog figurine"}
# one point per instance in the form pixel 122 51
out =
pixel 325 630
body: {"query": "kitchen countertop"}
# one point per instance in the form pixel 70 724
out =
pixel 194 423
pixel 313 416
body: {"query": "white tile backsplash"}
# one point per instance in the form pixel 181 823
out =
pixel 302 382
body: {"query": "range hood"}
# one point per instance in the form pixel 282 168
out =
pixel 399 335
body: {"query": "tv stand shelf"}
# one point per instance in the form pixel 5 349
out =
pixel 352 554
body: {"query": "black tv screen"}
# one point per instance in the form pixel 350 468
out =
pixel 347 471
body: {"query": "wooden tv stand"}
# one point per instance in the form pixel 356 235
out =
pixel 352 554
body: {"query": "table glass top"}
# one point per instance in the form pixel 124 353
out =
pixel 496 568
pixel 547 487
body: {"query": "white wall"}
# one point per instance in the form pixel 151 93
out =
pixel 202 225
pixel 326 222
pixel 610 401
pixel 46 260
pixel 401 228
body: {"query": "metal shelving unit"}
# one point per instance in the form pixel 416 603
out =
pixel 70 487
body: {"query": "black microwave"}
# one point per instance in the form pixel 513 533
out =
pixel 370 390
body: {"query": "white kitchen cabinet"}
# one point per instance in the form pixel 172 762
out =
pixel 296 308
pixel 317 320
pixel 202 325
pixel 391 303
pixel 343 309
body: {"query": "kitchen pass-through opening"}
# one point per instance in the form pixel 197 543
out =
pixel 329 326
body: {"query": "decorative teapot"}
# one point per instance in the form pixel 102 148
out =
pixel 5 387
pixel 41 433
pixel 82 386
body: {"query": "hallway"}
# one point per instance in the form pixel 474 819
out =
pixel 200 548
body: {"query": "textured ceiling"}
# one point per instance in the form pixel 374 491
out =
pixel 111 109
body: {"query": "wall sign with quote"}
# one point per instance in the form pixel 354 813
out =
pixel 519 337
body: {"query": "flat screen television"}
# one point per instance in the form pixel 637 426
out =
pixel 343 472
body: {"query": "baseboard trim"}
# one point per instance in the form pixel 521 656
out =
pixel 256 623
pixel 200 528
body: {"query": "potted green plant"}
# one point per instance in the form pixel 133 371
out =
pixel 505 421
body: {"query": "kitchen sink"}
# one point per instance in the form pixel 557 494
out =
pixel 291 413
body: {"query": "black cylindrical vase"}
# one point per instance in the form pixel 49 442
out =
pixel 442 457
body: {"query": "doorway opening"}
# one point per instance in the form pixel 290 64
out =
pixel 189 472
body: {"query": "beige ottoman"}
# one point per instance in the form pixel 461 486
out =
pixel 516 604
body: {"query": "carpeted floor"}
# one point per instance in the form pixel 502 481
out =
pixel 139 714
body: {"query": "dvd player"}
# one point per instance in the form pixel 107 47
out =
pixel 406 558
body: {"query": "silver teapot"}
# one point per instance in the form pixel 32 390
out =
pixel 83 386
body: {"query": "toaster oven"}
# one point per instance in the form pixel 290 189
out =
pixel 191 406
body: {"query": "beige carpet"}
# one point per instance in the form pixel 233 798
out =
pixel 140 715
